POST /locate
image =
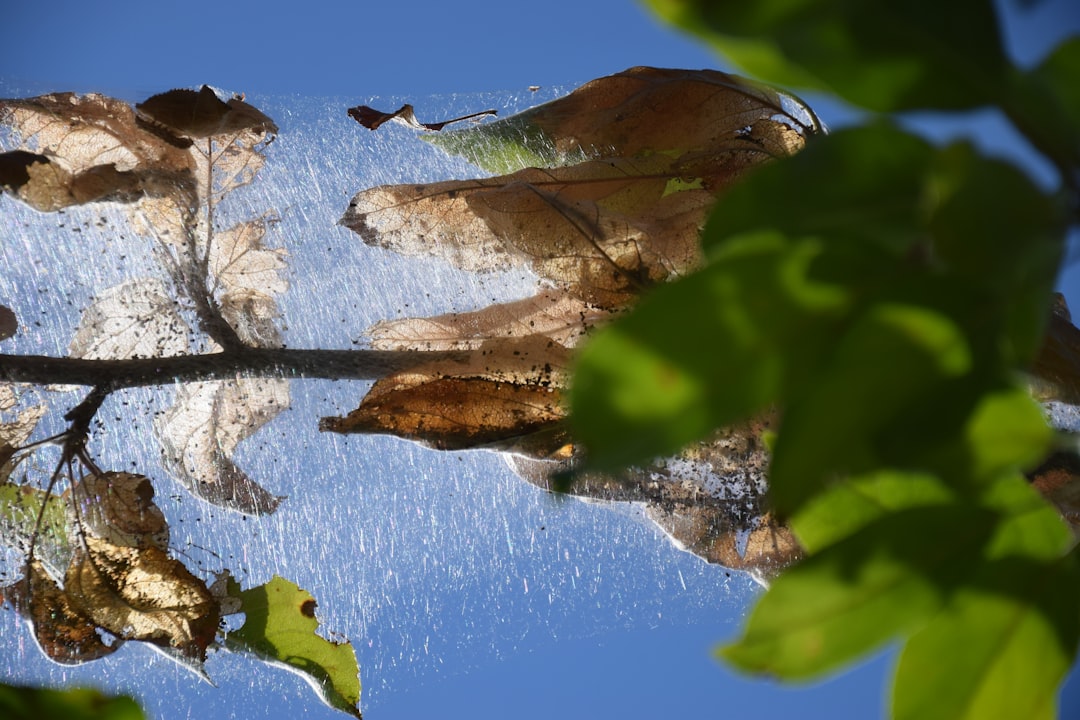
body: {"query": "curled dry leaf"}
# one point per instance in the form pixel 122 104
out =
pixel 185 114
pixel 200 432
pixel 63 631
pixel 142 594
pixel 138 318
pixel 371 118
pixel 119 507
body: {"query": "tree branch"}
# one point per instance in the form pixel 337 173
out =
pixel 247 362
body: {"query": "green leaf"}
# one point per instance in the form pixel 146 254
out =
pixel 892 360
pixel 999 650
pixel 702 352
pixel 862 184
pixel 855 595
pixel 853 503
pixel 1007 431
pixel 883 55
pixel 280 628
pixel 1030 526
pixel 26 703
pixel 1045 106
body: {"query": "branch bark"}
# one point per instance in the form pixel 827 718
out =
pixel 246 362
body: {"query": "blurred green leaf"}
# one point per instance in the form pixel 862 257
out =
pixel 856 594
pixel 20 506
pixel 279 627
pixel 882 55
pixel 1000 648
pixel 25 703
pixel 703 351
pixel 862 184
pixel 892 359
pixel 852 503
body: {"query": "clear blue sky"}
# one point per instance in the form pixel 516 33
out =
pixel 134 48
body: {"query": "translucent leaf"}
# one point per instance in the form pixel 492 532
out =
pixel 20 506
pixel 138 318
pixel 200 432
pixel 863 51
pixel 280 627
pixel 142 594
pixel 245 276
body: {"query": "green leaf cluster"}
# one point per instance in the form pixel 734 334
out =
pixel 886 294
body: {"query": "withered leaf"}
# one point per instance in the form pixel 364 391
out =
pixel 15 426
pixel 508 392
pixel 201 114
pixel 63 631
pixel 142 594
pixel 200 432
pixel 138 318
pixel 245 276
pixel 119 507
pixel 371 118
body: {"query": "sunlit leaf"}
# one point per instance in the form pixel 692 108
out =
pixel 142 594
pixel 858 593
pixel 280 627
pixel 20 507
pixel 246 276
pixel 883 55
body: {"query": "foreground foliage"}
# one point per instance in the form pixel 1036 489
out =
pixel 887 295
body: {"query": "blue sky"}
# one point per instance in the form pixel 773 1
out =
pixel 363 49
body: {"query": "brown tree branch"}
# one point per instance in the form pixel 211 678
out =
pixel 246 362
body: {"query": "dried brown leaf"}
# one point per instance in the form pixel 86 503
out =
pixel 371 118
pixel 508 392
pixel 245 276
pixel 200 432
pixel 142 594
pixel 201 114
pixel 119 507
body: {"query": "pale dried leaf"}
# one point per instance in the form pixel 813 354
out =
pixel 119 507
pixel 244 277
pixel 551 314
pixel 200 432
pixel 138 318
pixel 142 594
